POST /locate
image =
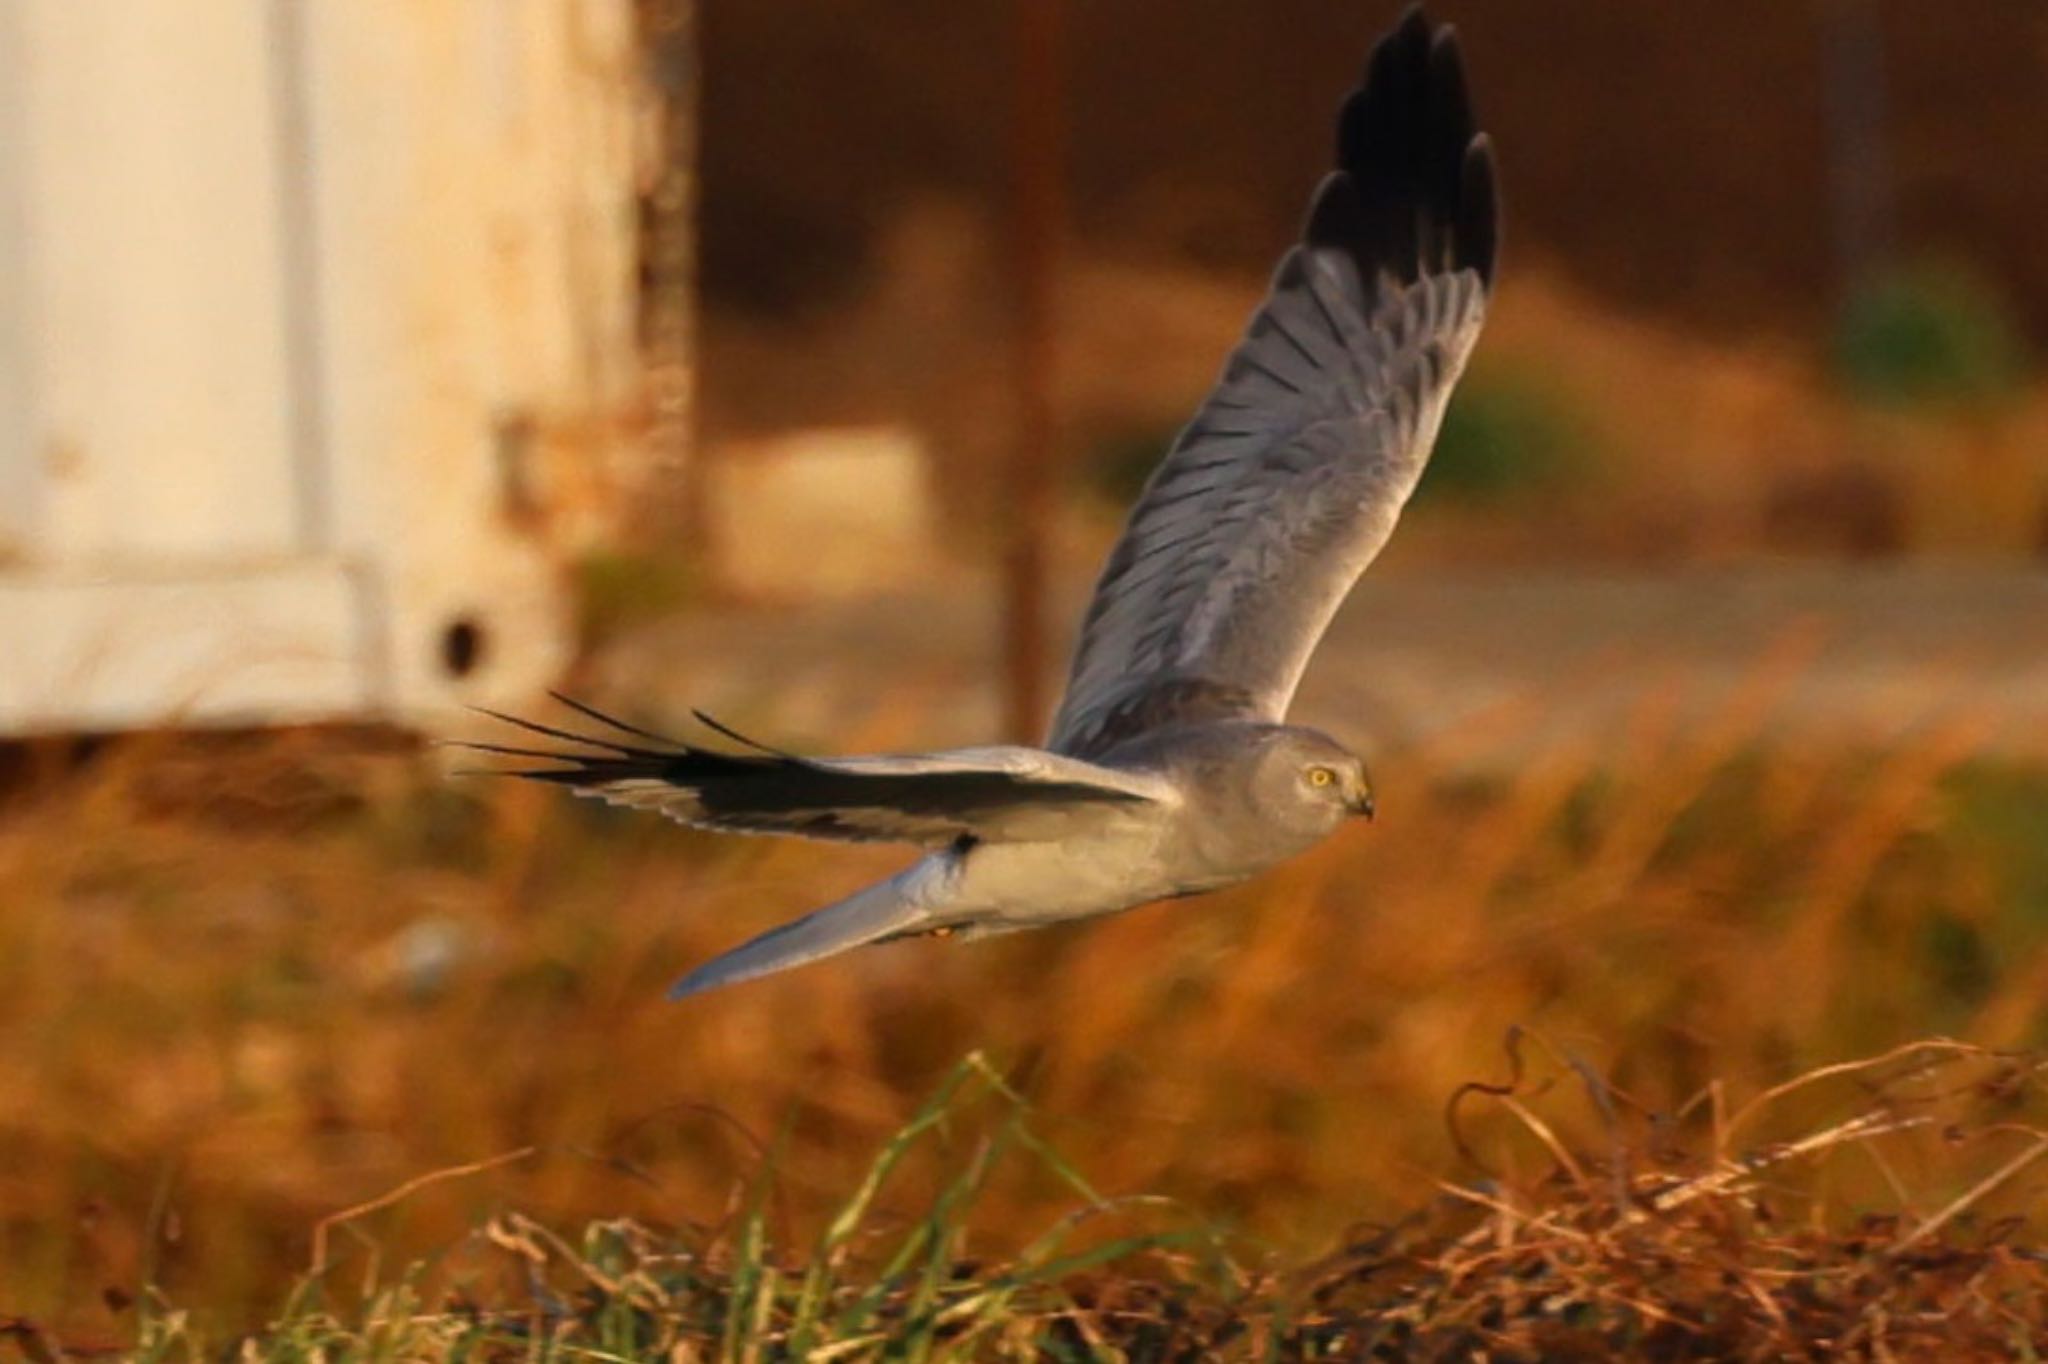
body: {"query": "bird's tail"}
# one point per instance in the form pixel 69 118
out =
pixel 896 907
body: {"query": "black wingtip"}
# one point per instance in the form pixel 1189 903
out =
pixel 1412 26
pixel 509 750
pixel 680 764
pixel 591 712
pixel 549 731
pixel 1414 191
pixel 1479 223
pixel 720 727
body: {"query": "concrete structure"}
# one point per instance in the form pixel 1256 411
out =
pixel 317 335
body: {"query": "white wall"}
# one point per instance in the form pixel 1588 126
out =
pixel 17 483
pixel 148 179
pixel 301 297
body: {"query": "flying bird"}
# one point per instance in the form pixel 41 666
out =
pixel 1170 769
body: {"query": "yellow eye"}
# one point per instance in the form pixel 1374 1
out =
pixel 1320 776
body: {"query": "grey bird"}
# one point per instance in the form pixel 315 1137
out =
pixel 1170 769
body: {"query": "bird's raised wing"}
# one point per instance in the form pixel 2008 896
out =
pixel 929 799
pixel 1290 478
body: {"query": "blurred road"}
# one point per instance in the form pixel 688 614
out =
pixel 1484 665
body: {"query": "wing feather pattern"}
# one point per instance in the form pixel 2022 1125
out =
pixel 1290 477
pixel 933 799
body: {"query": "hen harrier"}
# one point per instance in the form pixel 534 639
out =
pixel 1170 769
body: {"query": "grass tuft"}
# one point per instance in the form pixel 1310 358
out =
pixel 1932 333
pixel 1711 1232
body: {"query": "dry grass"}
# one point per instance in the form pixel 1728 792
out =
pixel 246 984
pixel 1726 1248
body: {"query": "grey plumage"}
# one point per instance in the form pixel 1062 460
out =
pixel 1169 770
pixel 1289 479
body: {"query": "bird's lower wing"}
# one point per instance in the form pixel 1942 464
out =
pixel 932 800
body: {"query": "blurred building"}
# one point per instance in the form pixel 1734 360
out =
pixel 318 335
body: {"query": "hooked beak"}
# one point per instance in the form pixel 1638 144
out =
pixel 1362 806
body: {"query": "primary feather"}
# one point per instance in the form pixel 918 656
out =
pixel 929 799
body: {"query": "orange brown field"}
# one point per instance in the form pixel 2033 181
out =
pixel 255 982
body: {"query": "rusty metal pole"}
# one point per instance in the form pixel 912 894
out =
pixel 1859 164
pixel 1030 482
pixel 668 38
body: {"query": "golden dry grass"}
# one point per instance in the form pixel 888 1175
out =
pixel 248 983
pixel 1696 1241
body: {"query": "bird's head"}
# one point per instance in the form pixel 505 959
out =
pixel 1306 778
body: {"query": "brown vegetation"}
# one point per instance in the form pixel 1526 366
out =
pixel 1688 1241
pixel 249 983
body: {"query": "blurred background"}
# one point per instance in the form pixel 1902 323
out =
pixel 797 361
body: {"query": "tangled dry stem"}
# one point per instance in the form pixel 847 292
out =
pixel 1637 1251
